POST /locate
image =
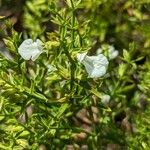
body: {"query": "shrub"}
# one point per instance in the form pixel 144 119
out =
pixel 76 76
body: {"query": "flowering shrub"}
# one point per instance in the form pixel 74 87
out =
pixel 74 75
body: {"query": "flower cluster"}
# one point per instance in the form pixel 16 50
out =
pixel 96 66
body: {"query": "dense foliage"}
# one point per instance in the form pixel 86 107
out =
pixel 52 102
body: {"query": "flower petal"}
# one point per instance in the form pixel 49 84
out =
pixel 80 57
pixel 30 49
pixel 98 72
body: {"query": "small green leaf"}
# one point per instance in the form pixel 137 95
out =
pixel 126 88
pixel 1 118
pixel 69 3
pixel 122 69
pixel 24 134
pixel 95 92
pixel 62 109
pixel 10 45
pixel 126 55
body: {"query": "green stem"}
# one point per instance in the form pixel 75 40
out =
pixel 73 46
pixel 62 31
pixel 73 24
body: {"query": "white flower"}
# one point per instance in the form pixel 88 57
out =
pixel 99 51
pixel 112 53
pixel 95 66
pixel 105 99
pixel 30 49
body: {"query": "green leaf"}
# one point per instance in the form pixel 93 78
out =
pixel 95 92
pixel 10 45
pixel 122 69
pixel 24 134
pixel 62 109
pixel 4 147
pixel 126 88
pixel 126 55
